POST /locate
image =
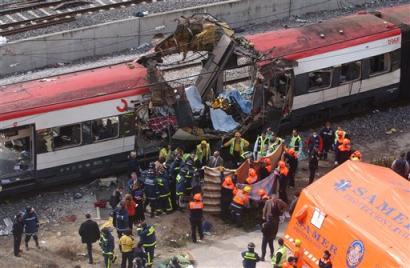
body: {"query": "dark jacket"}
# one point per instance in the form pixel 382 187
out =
pixel 30 223
pixel 325 264
pixel 133 166
pixel 292 162
pixel 313 160
pixel 268 229
pixel 147 236
pixel 151 188
pixel 163 186
pixel 18 227
pixel 89 232
pixel 115 198
pixel 250 259
pixel 328 136
pixel 120 219
pixel 107 243
pixel 140 253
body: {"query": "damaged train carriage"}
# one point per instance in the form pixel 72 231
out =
pixel 222 88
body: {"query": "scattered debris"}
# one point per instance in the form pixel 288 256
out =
pixel 78 196
pixel 107 182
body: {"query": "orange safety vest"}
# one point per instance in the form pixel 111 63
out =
pixel 228 185
pixel 251 180
pixel 196 205
pixel 287 265
pixel 241 198
pixel 299 254
pixel 343 148
pixel 284 171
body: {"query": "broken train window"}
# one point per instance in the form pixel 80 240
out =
pixel 320 79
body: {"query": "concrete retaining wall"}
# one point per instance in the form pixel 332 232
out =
pixel 104 39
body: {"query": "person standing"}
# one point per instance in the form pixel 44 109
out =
pixel 90 233
pixel 269 234
pixel 127 244
pixel 31 225
pixel 261 145
pixel 133 180
pixel 291 159
pixel 313 164
pixel 280 256
pixel 296 142
pixel 328 137
pixel 343 152
pixel 116 197
pixel 283 181
pixel 131 209
pixel 227 189
pixel 151 190
pixel 237 146
pixel 216 160
pixel 202 154
pixel 315 142
pixel 18 228
pixel 120 219
pixel 298 254
pixel 138 195
pixel 148 240
pixel 133 165
pixel 240 201
pixel 164 193
pixel 196 215
pixel 250 257
pixel 325 261
pixel 401 166
pixel 107 246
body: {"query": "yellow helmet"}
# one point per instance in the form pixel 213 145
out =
pixel 247 189
pixel 298 242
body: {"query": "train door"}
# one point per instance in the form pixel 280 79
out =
pixel 17 153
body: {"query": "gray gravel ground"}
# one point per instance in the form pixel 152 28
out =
pixel 116 14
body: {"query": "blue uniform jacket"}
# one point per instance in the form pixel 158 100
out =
pixel 121 219
pixel 107 243
pixel 147 236
pixel 30 223
pixel 150 188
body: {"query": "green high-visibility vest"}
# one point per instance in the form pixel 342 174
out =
pixel 283 251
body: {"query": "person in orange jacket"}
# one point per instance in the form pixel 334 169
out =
pixel 227 189
pixel 283 181
pixel 252 177
pixel 239 203
pixel 343 152
pixel 291 263
pixel 298 254
pixel 196 215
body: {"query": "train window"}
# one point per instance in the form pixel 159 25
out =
pixel 350 71
pixel 320 79
pixel 379 64
pixel 127 124
pixel 66 136
pixel 16 151
pixel 44 141
pixel 106 128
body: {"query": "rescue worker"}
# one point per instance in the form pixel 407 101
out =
pixel 165 152
pixel 17 230
pixel 227 189
pixel 252 176
pixel 340 135
pixel 31 225
pixel 188 177
pixel 269 133
pixel 325 261
pixel 265 168
pixel 151 191
pixel 127 244
pixel 315 141
pixel 149 240
pixel 237 146
pixel 343 152
pixel 90 233
pixel 133 165
pixel 268 235
pixel 291 159
pixel 328 136
pixel 298 254
pixel 202 153
pixel 291 263
pixel 196 215
pixel 283 180
pixel 216 160
pixel 120 219
pixel 174 170
pixel 261 145
pixel 356 156
pixel 164 192
pixel 250 257
pixel 274 142
pixel 296 142
pixel 313 164
pixel 180 187
pixel 107 247
pixel 401 166
pixel 131 207
pixel 280 255
pixel 239 202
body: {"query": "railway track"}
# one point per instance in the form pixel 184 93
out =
pixel 43 14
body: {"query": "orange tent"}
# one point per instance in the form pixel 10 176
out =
pixel 359 212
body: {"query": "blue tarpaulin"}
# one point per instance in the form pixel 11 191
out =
pixel 222 121
pixel 246 105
